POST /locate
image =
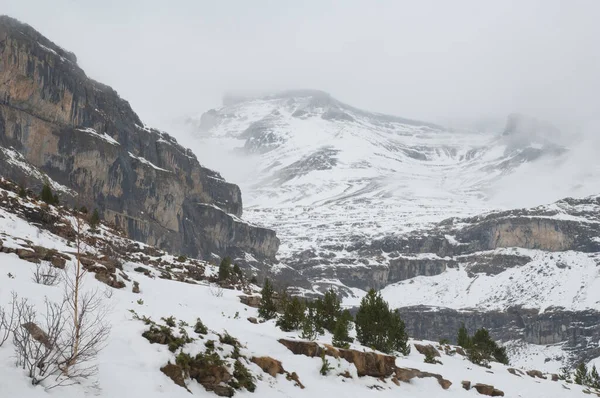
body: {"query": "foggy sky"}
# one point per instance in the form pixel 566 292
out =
pixel 440 61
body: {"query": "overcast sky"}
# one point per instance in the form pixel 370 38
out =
pixel 431 60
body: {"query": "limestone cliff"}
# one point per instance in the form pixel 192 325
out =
pixel 57 122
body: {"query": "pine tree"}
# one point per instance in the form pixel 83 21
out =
pixel 397 334
pixel 310 329
pixel 341 332
pixel 266 308
pixel 46 194
pixel 238 271
pixel 225 269
pixel 328 310
pixel 594 378
pixel 463 339
pixel 565 374
pixel 293 315
pixel 581 374
pixel 94 219
pixel 378 327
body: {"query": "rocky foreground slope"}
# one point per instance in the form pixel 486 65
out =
pixel 155 299
pixel 60 125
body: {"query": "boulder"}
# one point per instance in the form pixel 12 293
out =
pixel 28 255
pixel 466 384
pixel 252 319
pixel 427 350
pixel 250 301
pixel 536 373
pixel 37 334
pixel 269 365
pixel 515 372
pixel 175 373
pixel 486 389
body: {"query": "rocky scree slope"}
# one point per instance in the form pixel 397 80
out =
pixel 60 125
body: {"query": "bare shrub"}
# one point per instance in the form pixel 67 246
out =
pixel 39 349
pixel 45 274
pixel 7 320
pixel 216 291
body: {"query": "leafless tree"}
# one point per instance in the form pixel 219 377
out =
pixel 87 329
pixel 46 274
pixel 62 350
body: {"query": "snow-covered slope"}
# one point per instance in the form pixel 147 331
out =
pixel 130 366
pixel 324 174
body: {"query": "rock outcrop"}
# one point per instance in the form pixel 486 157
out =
pixel 407 374
pixel 57 123
pixel 367 363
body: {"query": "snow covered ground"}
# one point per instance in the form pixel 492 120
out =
pixel 129 365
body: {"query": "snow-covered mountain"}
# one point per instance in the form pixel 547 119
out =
pixel 325 174
pixel 364 200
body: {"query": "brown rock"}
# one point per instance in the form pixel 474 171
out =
pixel 86 262
pixel 175 373
pixel 28 255
pixel 37 333
pixel 250 301
pixel 486 389
pixel 252 319
pixel 269 365
pixel 110 280
pixel 136 287
pixel 299 347
pixel 58 262
pixel 367 363
pixel 555 377
pixel 536 373
pixel 460 351
pixel 223 391
pixel 407 374
pixel 466 384
pixel 514 371
pixel 427 350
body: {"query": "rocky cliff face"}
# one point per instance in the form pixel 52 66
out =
pixel 577 331
pixel 56 122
